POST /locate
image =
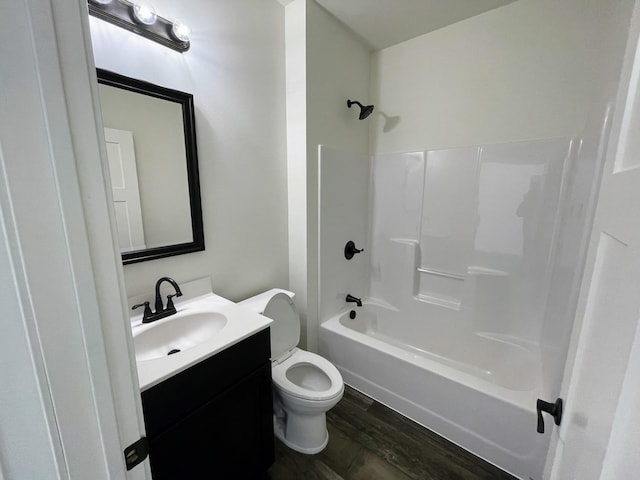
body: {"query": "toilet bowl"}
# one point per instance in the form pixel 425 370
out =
pixel 305 385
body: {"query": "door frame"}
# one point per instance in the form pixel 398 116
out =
pixel 69 316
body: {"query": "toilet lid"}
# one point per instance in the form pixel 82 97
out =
pixel 285 329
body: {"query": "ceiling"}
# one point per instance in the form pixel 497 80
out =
pixel 382 23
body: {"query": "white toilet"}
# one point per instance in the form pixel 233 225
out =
pixel 305 385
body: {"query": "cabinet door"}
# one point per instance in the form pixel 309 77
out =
pixel 230 437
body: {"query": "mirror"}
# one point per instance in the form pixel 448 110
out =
pixel 151 147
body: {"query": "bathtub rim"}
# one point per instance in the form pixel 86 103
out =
pixel 524 399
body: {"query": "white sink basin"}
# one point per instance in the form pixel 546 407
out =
pixel 204 325
pixel 177 334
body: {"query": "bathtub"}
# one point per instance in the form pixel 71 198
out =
pixel 478 391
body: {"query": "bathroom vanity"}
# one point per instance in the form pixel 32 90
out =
pixel 214 420
pixel 205 378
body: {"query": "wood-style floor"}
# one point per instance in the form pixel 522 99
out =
pixel 368 441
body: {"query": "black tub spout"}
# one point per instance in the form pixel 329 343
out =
pixel 351 298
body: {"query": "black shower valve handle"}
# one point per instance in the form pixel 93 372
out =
pixel 350 250
pixel 554 409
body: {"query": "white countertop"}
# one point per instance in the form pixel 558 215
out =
pixel 241 323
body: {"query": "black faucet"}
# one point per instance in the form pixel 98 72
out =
pixel 161 312
pixel 351 298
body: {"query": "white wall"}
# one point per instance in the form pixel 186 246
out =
pixel 343 197
pixel 523 71
pixel 235 70
pixel 334 67
pixel 296 54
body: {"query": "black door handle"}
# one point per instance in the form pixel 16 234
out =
pixel 554 409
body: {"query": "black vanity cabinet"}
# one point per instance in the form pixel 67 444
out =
pixel 214 420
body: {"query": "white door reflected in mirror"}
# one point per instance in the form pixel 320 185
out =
pixel 159 144
pixel 124 185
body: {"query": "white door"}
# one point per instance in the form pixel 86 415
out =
pixel 70 400
pixel 597 438
pixel 124 185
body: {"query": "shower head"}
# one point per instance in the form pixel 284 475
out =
pixel 365 110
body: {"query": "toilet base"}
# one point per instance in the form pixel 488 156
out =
pixel 311 448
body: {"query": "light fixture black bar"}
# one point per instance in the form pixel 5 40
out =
pixel 120 13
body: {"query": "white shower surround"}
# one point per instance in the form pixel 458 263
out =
pixel 461 357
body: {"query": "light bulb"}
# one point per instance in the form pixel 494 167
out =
pixel 144 12
pixel 102 2
pixel 181 31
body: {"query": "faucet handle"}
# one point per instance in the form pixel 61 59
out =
pixel 147 309
pixel 170 305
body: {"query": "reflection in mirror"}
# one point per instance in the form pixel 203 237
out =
pixel 151 148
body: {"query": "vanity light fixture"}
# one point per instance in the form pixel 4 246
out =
pixel 181 31
pixel 140 17
pixel 144 12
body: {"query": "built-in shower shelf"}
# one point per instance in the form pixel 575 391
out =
pixel 475 270
pixel 441 273
pixel 440 300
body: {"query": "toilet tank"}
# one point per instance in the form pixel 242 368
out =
pixel 277 304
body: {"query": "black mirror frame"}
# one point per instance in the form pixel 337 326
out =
pixel 106 77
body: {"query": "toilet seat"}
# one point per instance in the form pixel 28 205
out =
pixel 302 357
